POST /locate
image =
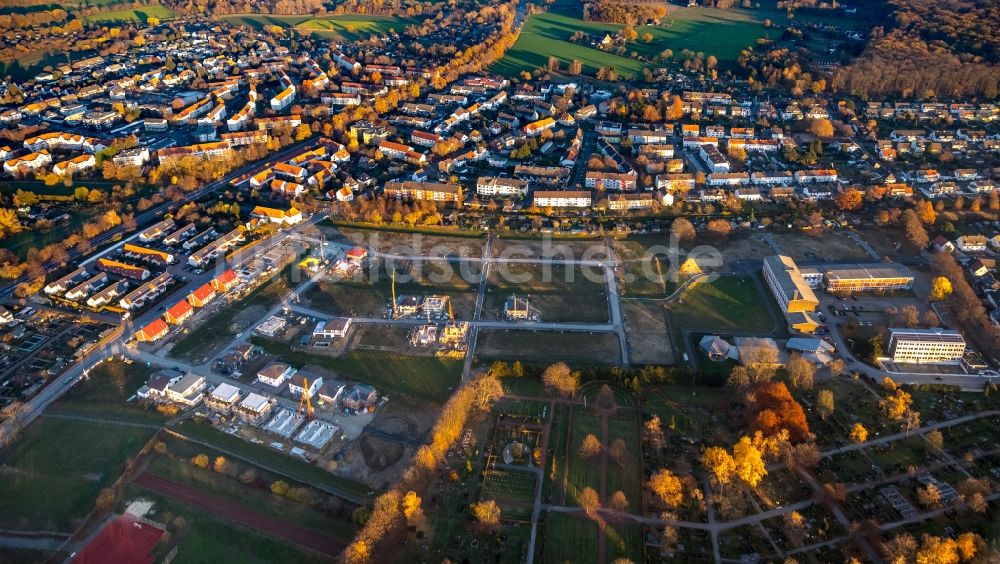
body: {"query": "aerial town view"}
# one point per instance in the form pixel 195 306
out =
pixel 523 281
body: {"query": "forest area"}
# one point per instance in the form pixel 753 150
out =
pixel 934 49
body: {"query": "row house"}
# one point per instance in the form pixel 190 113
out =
pixel 135 156
pixel 146 292
pixel 681 182
pixel 622 182
pixel 66 282
pixel 423 191
pixel 288 189
pixel 242 118
pixel 245 138
pixel 87 287
pixel 341 99
pixel 728 179
pixel 274 215
pixel 755 145
pixel 498 186
pixel 76 164
pixel 815 176
pixel 211 251
pixel 143 254
pixel 28 163
pixel 782 178
pixel 122 269
pixel 283 99
pixel 108 295
pixel 199 239
pixel 648 137
pixel 562 198
pixel 63 141
pixel 157 231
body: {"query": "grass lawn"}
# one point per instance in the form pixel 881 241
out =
pixel 131 15
pixel 424 377
pixel 582 472
pixel 625 541
pixel 569 538
pixel 181 471
pixel 53 473
pixel 723 33
pixel 348 27
pixel 352 27
pixel 200 538
pixel 105 392
pixel 626 476
pixel 728 304
pixel 296 469
pixel 559 293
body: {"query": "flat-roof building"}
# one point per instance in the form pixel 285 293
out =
pixel 872 277
pixel 793 293
pixel 926 345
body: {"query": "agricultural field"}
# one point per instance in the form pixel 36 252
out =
pixel 542 346
pixel 349 27
pixel 50 483
pixel 131 15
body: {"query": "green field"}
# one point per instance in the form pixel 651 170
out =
pixel 543 346
pixel 348 27
pixel 570 538
pixel 727 304
pixel 423 377
pixel 105 392
pixel 723 33
pixel 131 15
pixel 200 538
pixel 292 467
pixel 52 474
pixel 258 499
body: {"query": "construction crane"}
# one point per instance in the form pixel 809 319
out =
pixel 394 293
pixel 305 402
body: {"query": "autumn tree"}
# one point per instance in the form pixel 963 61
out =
pixel 654 432
pixel 618 502
pixel 487 513
pixel 801 371
pixel 590 446
pixel 748 462
pixel 848 200
pixel 925 211
pixel 914 229
pixel 825 403
pixel 822 128
pixel 719 227
pixel 683 229
pixel 411 507
pixel 941 288
pixel 896 404
pixel 200 460
pixel 859 433
pixel 588 500
pixel 560 379
pixel 667 487
pixel 720 463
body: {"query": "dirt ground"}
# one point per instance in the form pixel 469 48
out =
pixel 416 243
pixel 543 346
pixel 804 247
pixel 593 249
pixel 383 451
pixel 648 332
pixel 386 338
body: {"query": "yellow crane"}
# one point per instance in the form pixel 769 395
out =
pixel 305 401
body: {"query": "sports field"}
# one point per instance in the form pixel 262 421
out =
pixel 729 304
pixel 723 33
pixel 131 15
pixel 347 27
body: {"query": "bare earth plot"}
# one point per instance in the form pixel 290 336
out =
pixel 648 331
pixel 547 346
pixel 560 293
pixel 415 244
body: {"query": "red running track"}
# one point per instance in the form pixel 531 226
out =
pixel 241 515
